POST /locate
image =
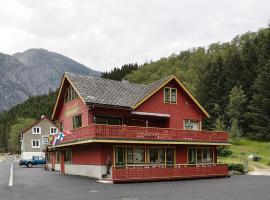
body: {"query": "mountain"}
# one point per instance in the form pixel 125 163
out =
pixel 33 72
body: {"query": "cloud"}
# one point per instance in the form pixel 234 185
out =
pixel 104 34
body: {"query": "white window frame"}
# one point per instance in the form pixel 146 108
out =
pixel 53 127
pixel 36 127
pixel 35 147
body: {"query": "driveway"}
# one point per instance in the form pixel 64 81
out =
pixel 38 184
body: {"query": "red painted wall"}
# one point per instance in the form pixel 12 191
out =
pixel 79 107
pixel 184 109
pixel 91 154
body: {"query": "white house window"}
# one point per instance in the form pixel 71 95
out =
pixel 35 143
pixel 54 130
pixel 192 125
pixel 36 130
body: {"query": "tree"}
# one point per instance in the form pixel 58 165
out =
pixel 259 106
pixel 15 130
pixel 235 112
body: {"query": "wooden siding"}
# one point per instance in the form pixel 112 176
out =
pixel 185 108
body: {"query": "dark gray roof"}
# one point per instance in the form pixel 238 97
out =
pixel 109 92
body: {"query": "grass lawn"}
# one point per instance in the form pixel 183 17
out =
pixel 245 148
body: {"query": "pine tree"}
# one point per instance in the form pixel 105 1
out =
pixel 259 106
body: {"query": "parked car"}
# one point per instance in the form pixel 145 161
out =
pixel 36 160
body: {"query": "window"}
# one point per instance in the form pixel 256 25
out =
pixel 173 95
pixel 110 120
pixel 200 155
pixel 170 156
pixel 70 94
pixel 135 155
pixel 53 130
pixel 57 157
pixel 156 155
pixel 36 130
pixel 77 121
pixel 120 156
pixel 167 95
pixel 35 144
pixel 170 95
pixel 192 125
pixel 48 157
pixel 68 155
pixel 45 140
pixel 192 156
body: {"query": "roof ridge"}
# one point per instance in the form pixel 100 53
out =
pixel 99 78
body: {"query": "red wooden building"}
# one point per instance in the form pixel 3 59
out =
pixel 133 132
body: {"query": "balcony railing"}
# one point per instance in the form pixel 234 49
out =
pixel 96 131
pixel 148 173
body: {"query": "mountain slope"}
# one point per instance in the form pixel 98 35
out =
pixel 33 72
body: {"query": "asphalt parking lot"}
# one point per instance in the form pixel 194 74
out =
pixel 38 184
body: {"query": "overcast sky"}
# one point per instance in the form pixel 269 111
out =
pixel 107 34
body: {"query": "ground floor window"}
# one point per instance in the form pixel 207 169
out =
pixel 198 155
pixel 144 155
pixel 68 155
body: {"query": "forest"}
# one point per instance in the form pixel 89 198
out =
pixel 231 80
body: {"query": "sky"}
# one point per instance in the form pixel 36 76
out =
pixel 106 34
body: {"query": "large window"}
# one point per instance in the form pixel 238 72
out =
pixel 110 120
pixel 68 155
pixel 70 94
pixel 200 155
pixel 156 155
pixel 170 95
pixel 77 121
pixel 192 125
pixel 142 155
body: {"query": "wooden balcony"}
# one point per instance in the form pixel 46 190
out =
pixel 95 131
pixel 161 172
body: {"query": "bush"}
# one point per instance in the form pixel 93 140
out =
pixel 237 167
pixel 224 152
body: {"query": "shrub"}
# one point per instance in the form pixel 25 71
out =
pixel 224 152
pixel 236 167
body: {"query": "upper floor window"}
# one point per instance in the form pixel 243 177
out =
pixel 192 125
pixel 45 140
pixel 53 130
pixel 170 95
pixel 36 130
pixel 77 121
pixel 70 94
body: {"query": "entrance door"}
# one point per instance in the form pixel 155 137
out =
pixel 119 156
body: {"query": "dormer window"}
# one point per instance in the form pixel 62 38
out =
pixel 70 94
pixel 170 95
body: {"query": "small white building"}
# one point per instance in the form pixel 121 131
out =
pixel 34 139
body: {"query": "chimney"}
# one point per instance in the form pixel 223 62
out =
pixel 124 80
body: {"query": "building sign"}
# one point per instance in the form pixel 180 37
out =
pixel 72 110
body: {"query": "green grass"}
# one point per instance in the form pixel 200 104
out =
pixel 245 148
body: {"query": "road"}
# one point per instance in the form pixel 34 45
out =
pixel 5 191
pixel 38 184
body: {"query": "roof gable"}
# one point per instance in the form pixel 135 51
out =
pixel 37 122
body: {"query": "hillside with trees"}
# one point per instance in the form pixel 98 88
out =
pixel 231 80
pixel 21 116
